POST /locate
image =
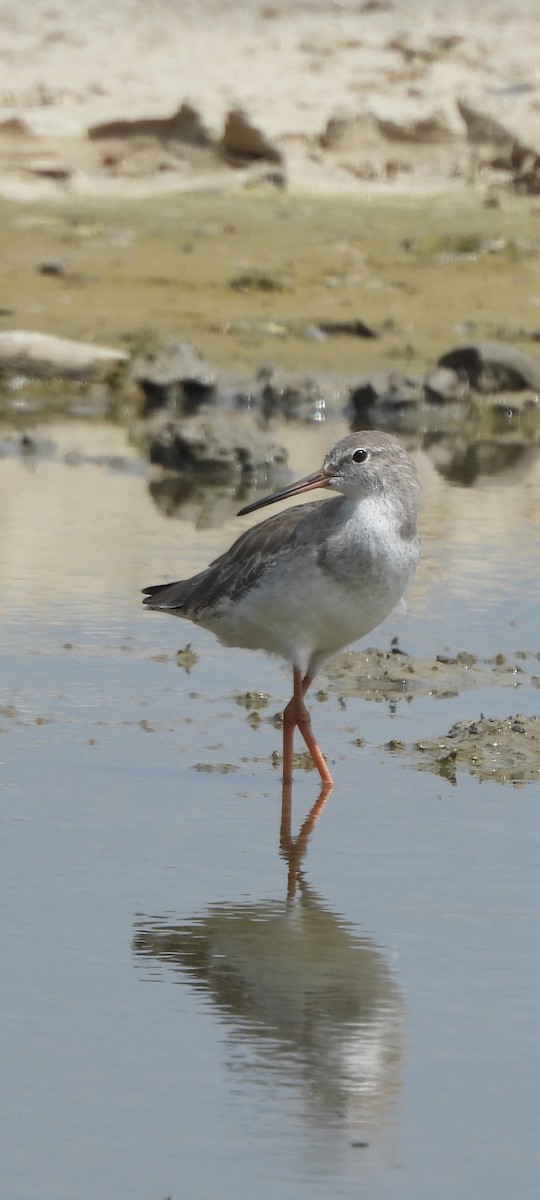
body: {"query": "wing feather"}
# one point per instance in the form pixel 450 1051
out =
pixel 239 569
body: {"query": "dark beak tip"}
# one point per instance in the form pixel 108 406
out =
pixel 295 489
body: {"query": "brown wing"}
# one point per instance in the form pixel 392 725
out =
pixel 238 569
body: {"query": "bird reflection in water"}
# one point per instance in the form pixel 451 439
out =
pixel 294 849
pixel 308 1005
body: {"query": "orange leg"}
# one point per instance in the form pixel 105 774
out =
pixel 296 714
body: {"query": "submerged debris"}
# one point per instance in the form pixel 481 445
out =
pixel 215 768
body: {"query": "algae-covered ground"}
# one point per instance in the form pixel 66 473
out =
pixel 246 277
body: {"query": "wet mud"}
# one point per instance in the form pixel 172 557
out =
pixel 505 751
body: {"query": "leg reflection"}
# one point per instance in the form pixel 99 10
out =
pixel 292 850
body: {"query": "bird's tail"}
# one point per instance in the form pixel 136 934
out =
pixel 164 595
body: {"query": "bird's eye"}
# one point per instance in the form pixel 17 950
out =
pixel 360 456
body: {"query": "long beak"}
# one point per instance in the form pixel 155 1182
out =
pixel 319 479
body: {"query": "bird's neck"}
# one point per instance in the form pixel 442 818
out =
pixel 368 530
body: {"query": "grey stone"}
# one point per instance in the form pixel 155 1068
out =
pixel 492 366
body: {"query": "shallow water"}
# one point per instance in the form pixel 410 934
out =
pixel 173 1025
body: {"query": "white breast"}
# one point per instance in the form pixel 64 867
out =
pixel 308 606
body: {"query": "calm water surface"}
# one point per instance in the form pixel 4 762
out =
pixel 175 1021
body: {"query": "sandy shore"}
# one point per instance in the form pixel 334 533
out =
pixel 345 96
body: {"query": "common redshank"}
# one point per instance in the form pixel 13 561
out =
pixel 314 578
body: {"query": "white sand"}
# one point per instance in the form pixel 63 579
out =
pixel 291 67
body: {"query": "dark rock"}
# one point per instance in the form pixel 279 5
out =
pixel 185 125
pixel 379 396
pixel 298 399
pixel 493 366
pixel 174 376
pixel 54 268
pixel 242 142
pixel 213 445
pixel 354 328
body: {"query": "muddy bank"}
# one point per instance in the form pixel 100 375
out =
pixel 505 751
pixel 396 676
pixel 255 280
